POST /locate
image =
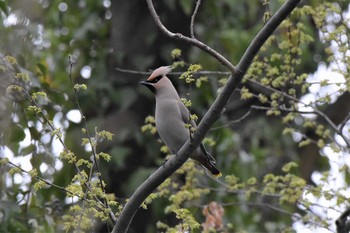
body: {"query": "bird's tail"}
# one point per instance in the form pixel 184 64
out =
pixel 207 161
pixel 210 165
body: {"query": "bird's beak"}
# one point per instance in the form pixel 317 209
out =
pixel 148 85
pixel 145 83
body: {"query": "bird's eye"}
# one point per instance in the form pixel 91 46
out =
pixel 156 79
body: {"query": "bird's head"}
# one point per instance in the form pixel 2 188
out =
pixel 158 81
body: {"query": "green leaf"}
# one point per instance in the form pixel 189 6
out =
pixel 105 156
pixel 42 69
pixel 3 7
pixel 287 167
pixel 176 53
pixel 27 150
pixel 16 133
pixel 78 86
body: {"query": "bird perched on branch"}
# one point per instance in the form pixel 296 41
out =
pixel 172 117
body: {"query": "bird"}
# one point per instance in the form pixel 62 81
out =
pixel 171 117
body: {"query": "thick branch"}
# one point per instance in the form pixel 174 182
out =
pixel 210 117
pixel 343 224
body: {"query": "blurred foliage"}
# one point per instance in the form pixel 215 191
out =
pixel 59 58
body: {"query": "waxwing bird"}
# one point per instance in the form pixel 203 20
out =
pixel 172 115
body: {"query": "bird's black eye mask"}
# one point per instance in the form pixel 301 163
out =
pixel 149 83
pixel 156 79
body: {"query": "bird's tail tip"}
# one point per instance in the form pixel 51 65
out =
pixel 217 175
pixel 215 172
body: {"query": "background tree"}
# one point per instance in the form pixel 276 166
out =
pixel 277 97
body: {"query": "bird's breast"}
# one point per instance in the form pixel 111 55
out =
pixel 170 125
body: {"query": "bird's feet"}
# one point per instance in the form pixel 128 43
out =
pixel 163 164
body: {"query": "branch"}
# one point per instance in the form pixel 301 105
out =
pixel 265 33
pixel 93 147
pixel 192 41
pixel 316 111
pixel 51 184
pixel 343 224
pixel 193 17
pixel 46 120
pixel 342 125
pixel 209 118
pixel 202 72
pixel 233 121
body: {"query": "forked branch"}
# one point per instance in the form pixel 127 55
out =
pixel 190 40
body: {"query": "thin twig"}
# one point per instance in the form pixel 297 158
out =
pixel 227 189
pixel 40 113
pixel 51 126
pixel 317 111
pixel 338 130
pixel 264 205
pixel 49 183
pixel 281 108
pixel 192 41
pixel 233 121
pixel 93 146
pixel 32 101
pixel 138 73
pixel 198 3
pixel 342 125
pixel 135 72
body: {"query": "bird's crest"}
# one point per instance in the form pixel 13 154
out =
pixel 161 71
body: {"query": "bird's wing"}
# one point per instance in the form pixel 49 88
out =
pixel 185 117
pixel 209 156
pixel 185 114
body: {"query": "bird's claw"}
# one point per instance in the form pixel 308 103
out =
pixel 163 164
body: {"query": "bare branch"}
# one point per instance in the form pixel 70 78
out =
pixel 283 109
pixel 135 72
pixel 192 41
pixel 204 72
pixel 233 121
pixel 93 147
pixel 343 224
pixel 342 125
pixel 50 183
pixel 316 110
pixel 264 34
pixel 210 117
pixel 198 3
pixel 59 137
pixel 336 129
